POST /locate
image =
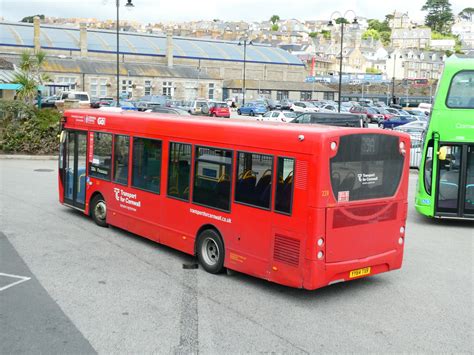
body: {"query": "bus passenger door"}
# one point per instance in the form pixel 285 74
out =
pixel 74 168
pixel 455 192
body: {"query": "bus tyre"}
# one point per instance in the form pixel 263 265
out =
pixel 210 251
pixel 99 210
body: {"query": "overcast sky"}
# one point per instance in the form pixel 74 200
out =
pixel 185 10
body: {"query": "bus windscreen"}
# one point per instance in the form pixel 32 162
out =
pixel 366 166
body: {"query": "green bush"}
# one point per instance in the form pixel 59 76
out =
pixel 26 129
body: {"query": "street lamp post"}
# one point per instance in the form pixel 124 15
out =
pixel 129 4
pixel 245 42
pixel 393 76
pixel 343 20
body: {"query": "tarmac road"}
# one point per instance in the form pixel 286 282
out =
pixel 87 289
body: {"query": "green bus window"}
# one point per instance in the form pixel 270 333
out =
pixel 284 188
pixel 121 154
pixel 428 167
pixel 146 165
pixel 461 90
pixel 179 170
pixel 102 156
pixel 253 185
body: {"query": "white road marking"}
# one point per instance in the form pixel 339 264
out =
pixel 21 279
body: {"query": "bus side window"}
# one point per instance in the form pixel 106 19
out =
pixel 284 188
pixel 212 172
pixel 179 170
pixel 253 185
pixel 121 155
pixel 428 167
pixel 146 164
pixel 102 156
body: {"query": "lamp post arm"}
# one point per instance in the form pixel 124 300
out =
pixel 340 69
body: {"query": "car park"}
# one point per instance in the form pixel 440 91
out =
pixel 396 121
pixel 416 112
pixel 219 109
pixel 124 105
pixel 386 114
pixel 329 108
pixel 198 107
pixel 149 101
pixel 330 118
pixel 252 109
pixel 285 104
pixel 101 101
pixel 279 116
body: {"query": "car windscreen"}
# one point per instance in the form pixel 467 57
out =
pixel 366 166
pixel 289 114
pixel 81 97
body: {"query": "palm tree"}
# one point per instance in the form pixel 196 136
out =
pixel 29 75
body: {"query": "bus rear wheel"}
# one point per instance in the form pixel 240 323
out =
pixel 99 210
pixel 210 251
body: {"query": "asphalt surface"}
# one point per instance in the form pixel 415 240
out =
pixel 104 290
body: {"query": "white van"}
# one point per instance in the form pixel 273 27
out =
pixel 426 108
pixel 81 96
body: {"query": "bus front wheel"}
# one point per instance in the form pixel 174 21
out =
pixel 210 251
pixel 99 210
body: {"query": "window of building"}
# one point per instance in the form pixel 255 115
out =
pixel 168 88
pixel 328 96
pixel 253 185
pixel 213 167
pixel 282 94
pixel 236 91
pixel 93 88
pixel 67 80
pixel 211 91
pixel 179 170
pixel 147 87
pixel 126 88
pixel 305 95
pixel 284 188
pixel 265 92
pixel 103 87
pixel 102 156
pixel 121 154
pixel 146 165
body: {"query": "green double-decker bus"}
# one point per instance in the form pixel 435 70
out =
pixel 446 178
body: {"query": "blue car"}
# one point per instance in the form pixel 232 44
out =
pixel 396 121
pixel 252 109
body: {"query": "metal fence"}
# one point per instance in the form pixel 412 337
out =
pixel 416 149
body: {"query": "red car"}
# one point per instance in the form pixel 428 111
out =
pixel 219 109
pixel 371 113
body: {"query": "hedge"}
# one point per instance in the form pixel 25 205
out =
pixel 27 129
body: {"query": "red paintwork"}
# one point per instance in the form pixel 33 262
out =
pixel 219 111
pixel 249 237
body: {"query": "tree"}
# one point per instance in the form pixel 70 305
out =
pixel 29 19
pixel 313 34
pixel 467 14
pixel 440 16
pixel 340 20
pixel 275 27
pixel 274 19
pixel 30 75
pixel 371 33
pixel 326 34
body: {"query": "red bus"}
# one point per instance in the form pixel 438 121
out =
pixel 300 205
pixel 416 82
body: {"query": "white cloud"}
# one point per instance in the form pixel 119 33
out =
pixel 181 10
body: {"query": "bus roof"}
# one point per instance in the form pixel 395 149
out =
pixel 243 132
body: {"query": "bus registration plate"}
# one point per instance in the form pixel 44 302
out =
pixel 359 272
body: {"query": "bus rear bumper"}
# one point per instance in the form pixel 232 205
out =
pixel 320 274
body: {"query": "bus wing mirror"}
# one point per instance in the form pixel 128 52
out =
pixel 442 152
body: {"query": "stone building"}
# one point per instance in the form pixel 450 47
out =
pixel 181 68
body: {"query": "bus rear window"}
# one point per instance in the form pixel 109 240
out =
pixel 461 90
pixel 366 166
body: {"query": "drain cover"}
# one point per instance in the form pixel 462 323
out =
pixel 43 170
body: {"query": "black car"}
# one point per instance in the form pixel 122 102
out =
pixel 330 119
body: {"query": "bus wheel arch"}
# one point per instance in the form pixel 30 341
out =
pixel 98 209
pixel 209 249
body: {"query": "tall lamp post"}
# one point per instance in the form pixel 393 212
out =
pixel 342 19
pixel 244 42
pixel 128 5
pixel 394 55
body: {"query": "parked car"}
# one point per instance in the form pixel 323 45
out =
pixel 170 110
pixel 285 104
pixel 372 115
pixel 301 107
pixel 396 121
pixel 273 104
pixel 329 108
pixel 416 112
pixel 386 114
pixel 219 109
pixel 81 96
pixel 49 102
pixel 252 109
pixel 101 101
pixel 198 107
pixel 147 102
pixel 124 105
pixel 279 116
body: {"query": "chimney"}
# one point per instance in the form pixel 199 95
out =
pixel 36 34
pixel 83 39
pixel 169 47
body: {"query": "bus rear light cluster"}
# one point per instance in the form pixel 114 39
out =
pixel 320 242
pixel 320 254
pixel 402 230
pixel 333 145
pixel 400 240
